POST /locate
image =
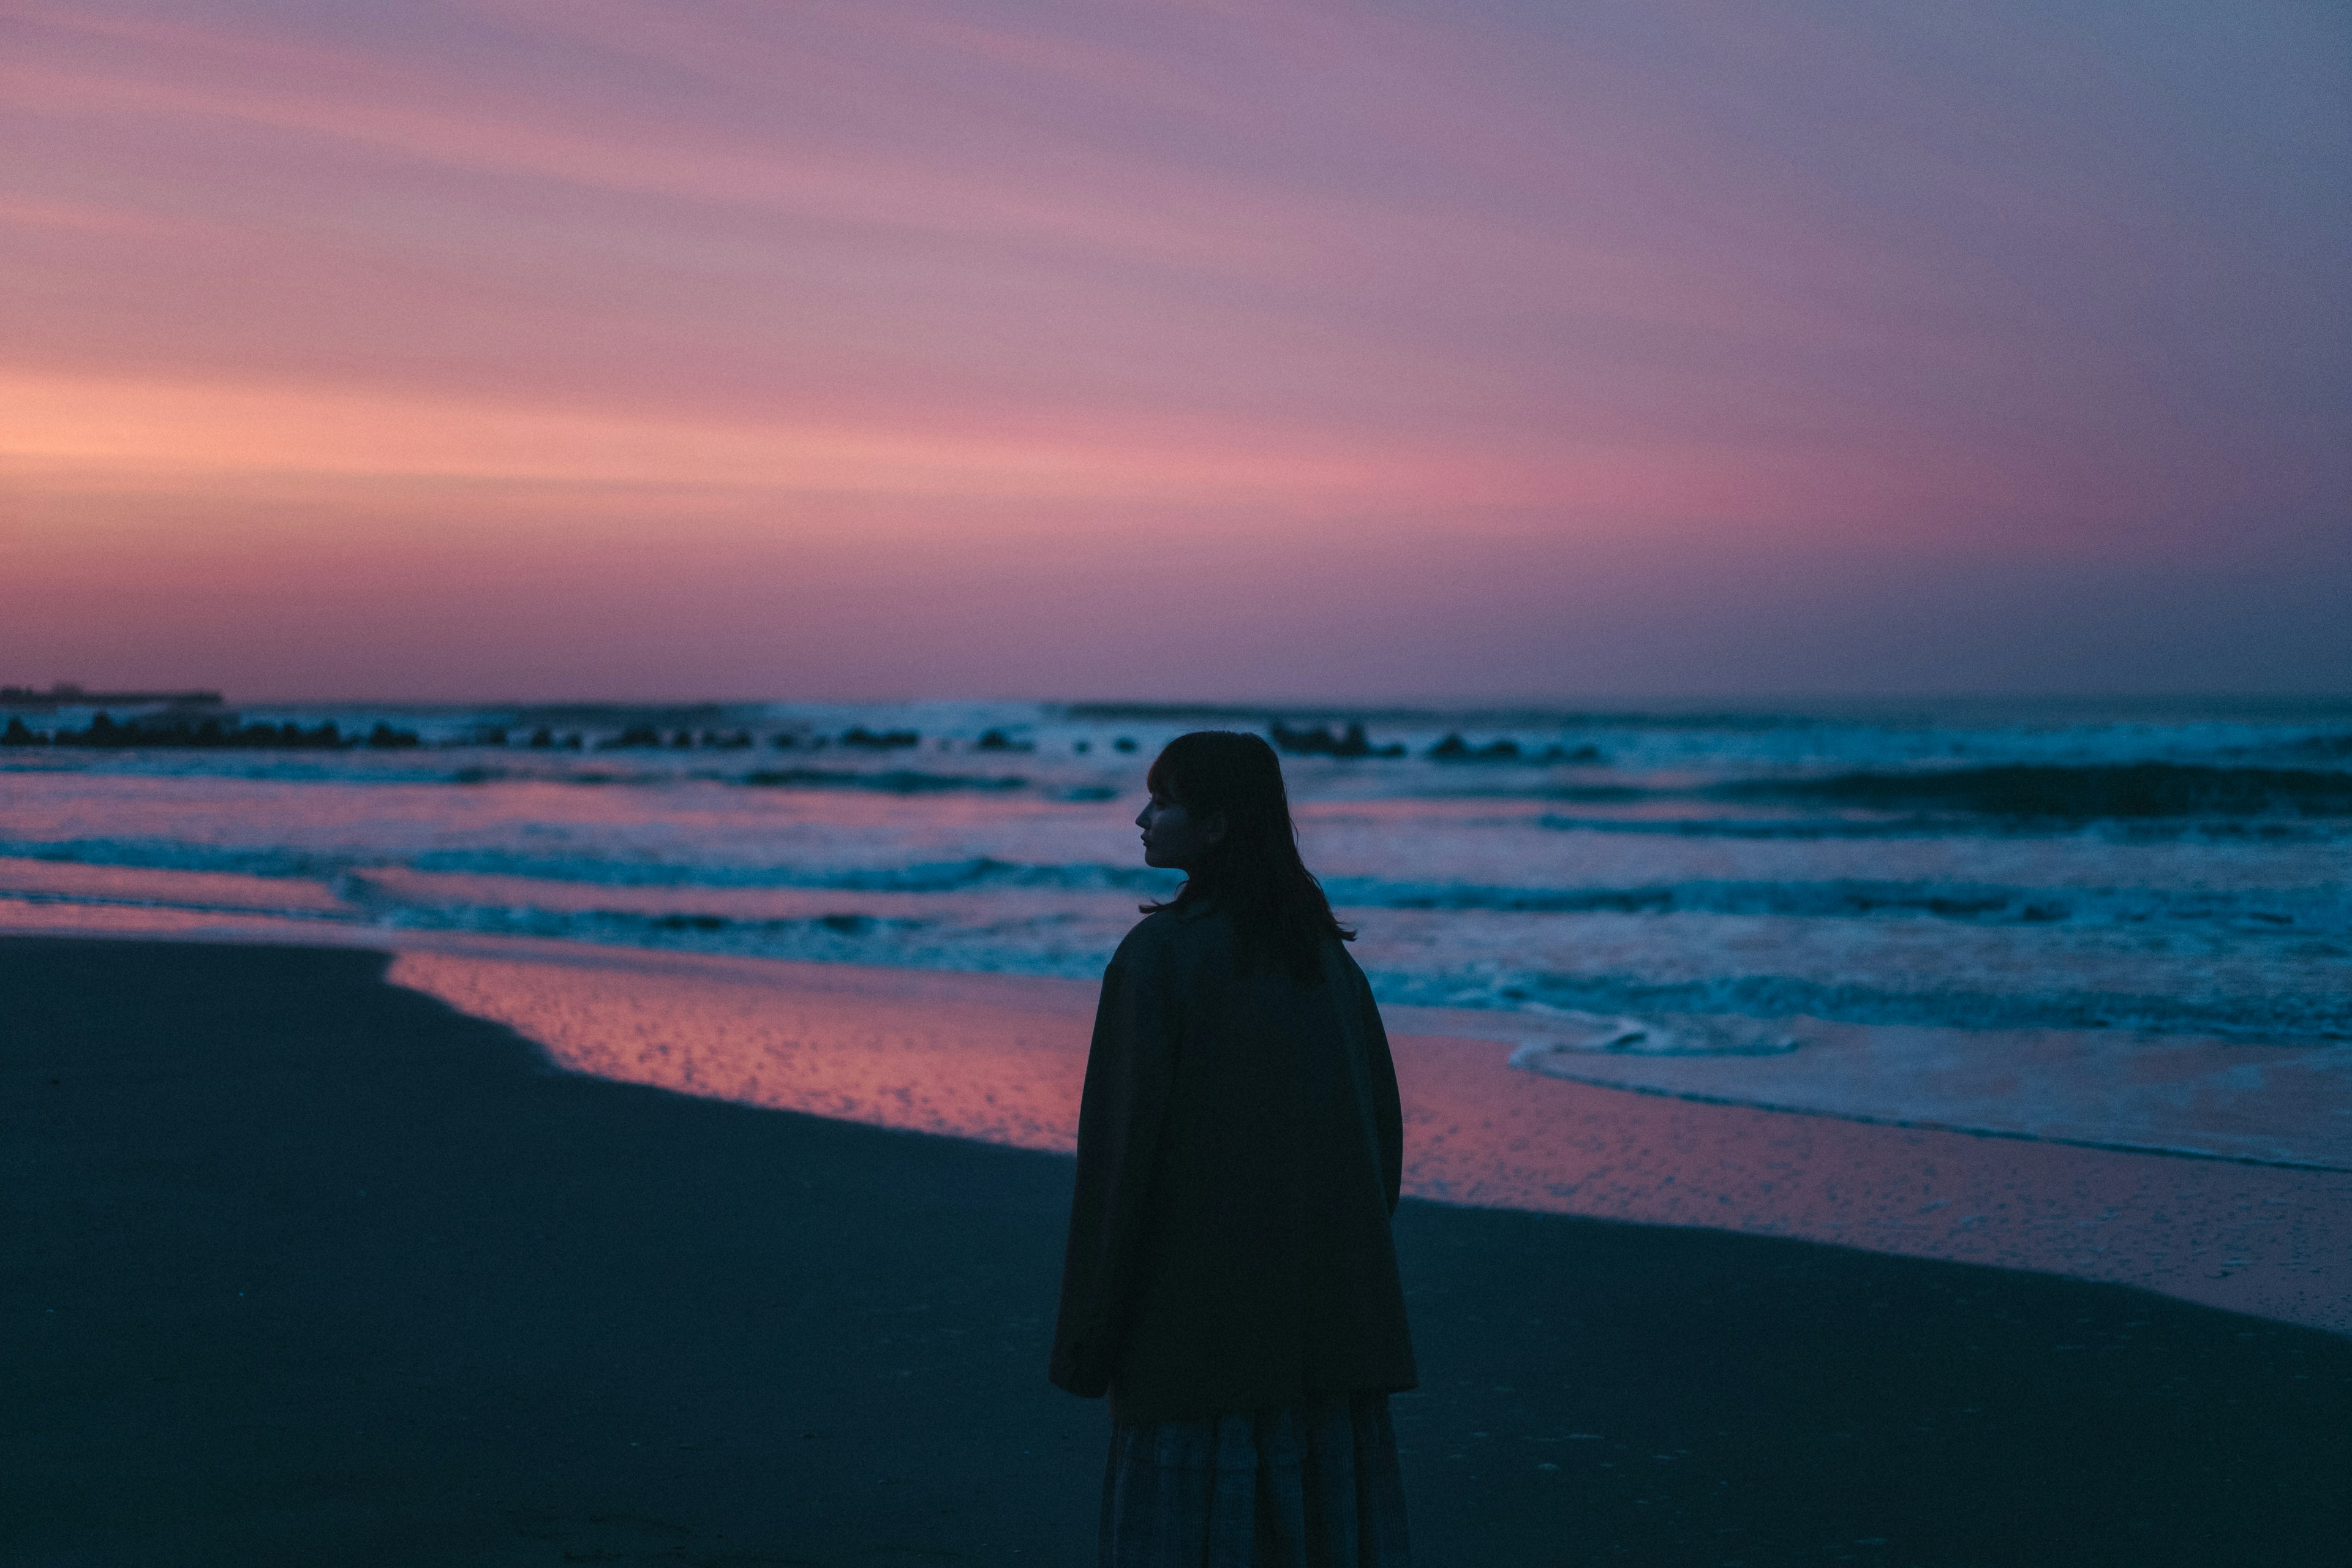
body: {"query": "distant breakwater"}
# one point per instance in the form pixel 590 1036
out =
pixel 176 728
pixel 208 732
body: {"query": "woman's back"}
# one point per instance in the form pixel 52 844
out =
pixel 1240 1148
pixel 1230 1280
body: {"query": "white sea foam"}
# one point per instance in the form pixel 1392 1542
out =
pixel 1575 1033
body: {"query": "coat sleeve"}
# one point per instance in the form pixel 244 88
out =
pixel 1388 1110
pixel 1129 1068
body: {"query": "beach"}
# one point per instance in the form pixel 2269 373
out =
pixel 615 612
pixel 309 1267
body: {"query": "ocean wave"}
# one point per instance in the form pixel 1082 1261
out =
pixel 1591 1033
pixel 2297 911
pixel 1797 828
pixel 959 874
pixel 2074 793
pixel 2277 1018
pixel 1075 943
pixel 1043 945
pixel 2322 911
pixel 1547 719
pixel 963 874
pixel 896 781
pixel 2271 831
pixel 174 854
pixel 786 936
pixel 1575 953
pixel 985 871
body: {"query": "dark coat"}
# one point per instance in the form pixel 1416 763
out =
pixel 1240 1146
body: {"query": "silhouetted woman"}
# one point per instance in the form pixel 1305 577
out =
pixel 1230 1280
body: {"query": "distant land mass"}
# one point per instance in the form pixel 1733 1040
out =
pixel 65 694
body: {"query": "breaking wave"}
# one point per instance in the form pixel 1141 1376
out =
pixel 2081 793
pixel 2306 1016
pixel 897 781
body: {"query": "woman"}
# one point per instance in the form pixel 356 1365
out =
pixel 1230 1280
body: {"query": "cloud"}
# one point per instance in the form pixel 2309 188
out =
pixel 1516 289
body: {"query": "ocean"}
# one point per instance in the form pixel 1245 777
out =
pixel 2118 923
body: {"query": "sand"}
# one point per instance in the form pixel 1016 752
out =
pixel 299 1266
pixel 1001 1057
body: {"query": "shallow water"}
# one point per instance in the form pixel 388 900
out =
pixel 1647 896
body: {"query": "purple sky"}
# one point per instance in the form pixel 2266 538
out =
pixel 589 348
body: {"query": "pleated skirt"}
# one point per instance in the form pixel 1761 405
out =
pixel 1310 1485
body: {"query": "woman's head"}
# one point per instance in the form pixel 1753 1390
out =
pixel 1220 813
pixel 1175 837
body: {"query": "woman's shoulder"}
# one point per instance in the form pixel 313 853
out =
pixel 1158 928
pixel 1165 932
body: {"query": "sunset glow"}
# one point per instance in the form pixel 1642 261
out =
pixel 528 348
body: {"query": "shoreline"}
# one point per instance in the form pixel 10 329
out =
pixel 2261 1099
pixel 2256 1101
pixel 999 1059
pixel 309 1267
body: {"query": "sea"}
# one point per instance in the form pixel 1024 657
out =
pixel 2118 923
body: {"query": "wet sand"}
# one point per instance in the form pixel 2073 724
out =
pixel 1001 1057
pixel 303 1267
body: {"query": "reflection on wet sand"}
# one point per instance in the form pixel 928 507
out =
pixel 1000 1058
pixel 981 1057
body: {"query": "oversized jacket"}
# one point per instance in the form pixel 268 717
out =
pixel 1240 1146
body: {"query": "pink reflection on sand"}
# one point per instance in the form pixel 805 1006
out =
pixel 2264 1239
pixel 983 1056
pixel 1001 1059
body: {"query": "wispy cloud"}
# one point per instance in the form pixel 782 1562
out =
pixel 2000 285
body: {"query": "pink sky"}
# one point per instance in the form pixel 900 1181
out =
pixel 589 348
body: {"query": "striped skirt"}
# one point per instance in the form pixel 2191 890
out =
pixel 1310 1485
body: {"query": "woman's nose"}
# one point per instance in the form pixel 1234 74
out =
pixel 1143 817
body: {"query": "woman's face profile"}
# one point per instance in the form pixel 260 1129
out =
pixel 1172 837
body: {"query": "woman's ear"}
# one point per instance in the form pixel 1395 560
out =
pixel 1213 829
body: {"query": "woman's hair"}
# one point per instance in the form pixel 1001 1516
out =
pixel 1255 875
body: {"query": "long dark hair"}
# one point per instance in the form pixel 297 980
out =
pixel 1255 874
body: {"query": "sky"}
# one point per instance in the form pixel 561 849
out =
pixel 450 350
